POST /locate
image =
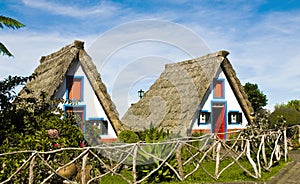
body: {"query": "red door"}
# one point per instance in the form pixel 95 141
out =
pixel 218 119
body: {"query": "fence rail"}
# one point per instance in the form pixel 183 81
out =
pixel 191 151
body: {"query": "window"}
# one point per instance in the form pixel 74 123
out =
pixel 101 124
pixel 219 88
pixel 75 88
pixel 235 117
pixel 79 113
pixel 203 117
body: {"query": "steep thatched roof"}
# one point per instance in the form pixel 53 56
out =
pixel 172 101
pixel 52 71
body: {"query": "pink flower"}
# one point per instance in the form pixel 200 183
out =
pixel 53 133
pixel 55 145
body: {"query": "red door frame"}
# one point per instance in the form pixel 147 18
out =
pixel 218 110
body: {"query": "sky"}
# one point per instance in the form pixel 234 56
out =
pixel 131 41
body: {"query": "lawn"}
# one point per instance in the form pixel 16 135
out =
pixel 233 174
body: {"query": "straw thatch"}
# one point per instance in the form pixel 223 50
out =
pixel 172 101
pixel 52 71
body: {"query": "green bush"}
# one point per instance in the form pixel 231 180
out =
pixel 128 136
pixel 285 116
pixel 32 124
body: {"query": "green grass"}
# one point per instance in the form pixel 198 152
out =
pixel 233 174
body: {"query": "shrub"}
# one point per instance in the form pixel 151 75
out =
pixel 285 116
pixel 128 136
pixel 32 124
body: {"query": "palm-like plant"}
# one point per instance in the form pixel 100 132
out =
pixel 12 24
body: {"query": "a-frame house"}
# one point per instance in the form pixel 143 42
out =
pixel 71 74
pixel 198 95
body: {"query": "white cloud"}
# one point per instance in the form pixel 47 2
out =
pixel 133 55
pixel 28 48
pixel 103 9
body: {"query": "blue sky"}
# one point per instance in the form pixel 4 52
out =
pixel 262 37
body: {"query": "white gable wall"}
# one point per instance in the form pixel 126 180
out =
pixel 93 108
pixel 231 105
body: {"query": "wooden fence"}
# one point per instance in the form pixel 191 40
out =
pixel 260 151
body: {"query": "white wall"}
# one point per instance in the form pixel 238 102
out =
pixel 231 103
pixel 92 105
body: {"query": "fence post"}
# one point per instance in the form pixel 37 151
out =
pixel 264 150
pixel 31 177
pixel 83 168
pixel 134 157
pixel 213 150
pixel 178 157
pixel 285 144
pixel 298 134
pixel 250 159
pixel 217 159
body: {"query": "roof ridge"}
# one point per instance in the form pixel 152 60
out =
pixel 76 44
pixel 222 53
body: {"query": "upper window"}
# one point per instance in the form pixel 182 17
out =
pixel 75 88
pixel 219 91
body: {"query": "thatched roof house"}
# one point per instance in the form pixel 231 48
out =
pixel 51 78
pixel 176 99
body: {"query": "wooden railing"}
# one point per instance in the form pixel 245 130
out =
pixel 108 159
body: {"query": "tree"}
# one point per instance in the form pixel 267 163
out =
pixel 12 24
pixel 285 116
pixel 293 104
pixel 289 113
pixel 257 98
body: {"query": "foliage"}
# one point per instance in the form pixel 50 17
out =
pixel 285 115
pixel 293 134
pixel 10 23
pixel 257 98
pixel 92 134
pixel 293 104
pixel 288 115
pixel 146 163
pixel 153 134
pixel 32 124
pixel 128 136
pixel 7 87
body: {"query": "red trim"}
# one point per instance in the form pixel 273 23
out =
pixel 202 131
pixel 207 131
pixel 108 140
